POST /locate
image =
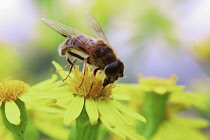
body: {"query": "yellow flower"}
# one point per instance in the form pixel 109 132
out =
pixel 10 91
pixel 159 85
pixel 181 128
pixel 13 91
pixel 87 92
pixel 163 99
pixel 81 84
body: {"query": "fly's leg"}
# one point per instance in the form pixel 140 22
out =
pixel 94 74
pixel 84 65
pixel 84 71
pixel 71 64
pixel 67 65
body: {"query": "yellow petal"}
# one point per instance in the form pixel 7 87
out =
pixel 48 87
pixel 64 102
pixel 131 134
pixel 45 83
pixel 113 130
pixel 55 93
pixel 117 114
pixel 60 70
pixel 195 123
pixel 12 112
pixel 73 110
pixel 160 90
pixel 106 113
pixel 37 101
pixel 128 112
pixel 92 111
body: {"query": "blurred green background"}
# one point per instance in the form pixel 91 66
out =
pixel 152 38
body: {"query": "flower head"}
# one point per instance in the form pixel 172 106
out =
pixel 12 89
pixel 186 128
pixel 159 85
pixel 14 93
pixel 88 85
pixel 163 99
pixel 86 91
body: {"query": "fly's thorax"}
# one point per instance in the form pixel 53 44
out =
pixel 104 53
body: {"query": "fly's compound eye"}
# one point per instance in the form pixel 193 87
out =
pixel 121 74
pixel 114 69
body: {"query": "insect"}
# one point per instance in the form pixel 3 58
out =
pixel 94 51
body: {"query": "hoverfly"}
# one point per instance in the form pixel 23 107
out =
pixel 96 52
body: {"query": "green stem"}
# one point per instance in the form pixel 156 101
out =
pixel 84 130
pixel 154 110
pixel 18 136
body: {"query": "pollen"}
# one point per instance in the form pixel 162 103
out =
pixel 90 86
pixel 12 89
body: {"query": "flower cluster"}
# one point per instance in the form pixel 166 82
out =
pixel 89 86
pixel 165 98
pixel 159 85
pixel 10 91
pixel 86 91
pixel 82 103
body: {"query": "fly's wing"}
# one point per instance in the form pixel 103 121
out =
pixel 94 25
pixel 62 29
pixel 69 33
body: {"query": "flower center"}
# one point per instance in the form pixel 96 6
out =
pixel 89 85
pixel 12 89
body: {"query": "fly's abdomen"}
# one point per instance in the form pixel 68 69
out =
pixel 78 43
pixel 62 48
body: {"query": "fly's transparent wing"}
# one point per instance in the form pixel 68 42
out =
pixel 74 35
pixel 94 25
pixel 62 29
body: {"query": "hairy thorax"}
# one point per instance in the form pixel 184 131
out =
pixel 104 56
